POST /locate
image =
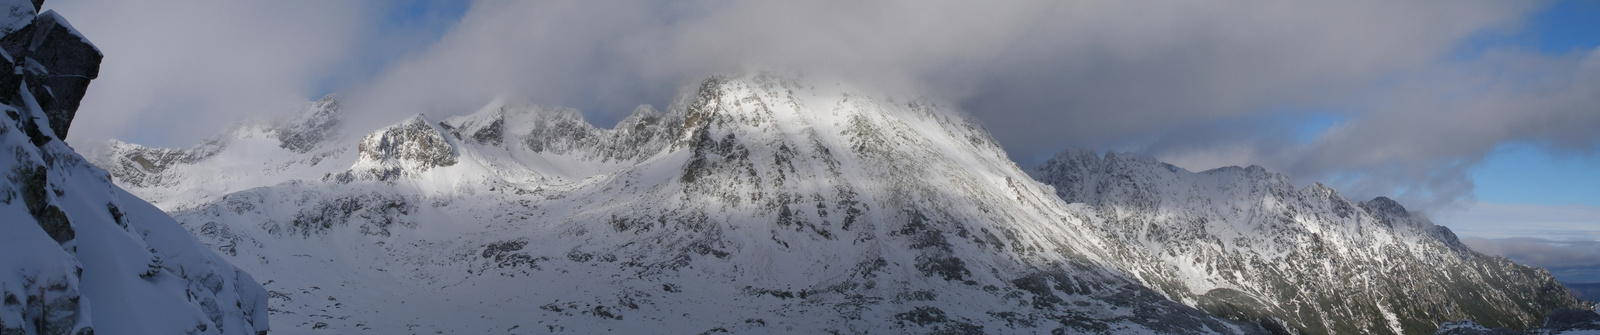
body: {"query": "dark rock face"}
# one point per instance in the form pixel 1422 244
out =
pixel 53 60
pixel 67 62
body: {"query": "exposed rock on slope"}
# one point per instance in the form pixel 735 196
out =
pixel 1244 243
pixel 79 255
pixel 411 147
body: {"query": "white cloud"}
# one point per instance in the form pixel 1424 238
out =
pixel 175 68
pixel 1568 261
pixel 1550 222
pixel 1154 77
pixel 1169 79
pixel 1563 239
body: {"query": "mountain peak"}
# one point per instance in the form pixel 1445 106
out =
pixel 406 148
pixel 317 122
pixel 1384 205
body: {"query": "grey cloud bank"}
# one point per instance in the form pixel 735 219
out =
pixel 1562 239
pixel 1569 261
pixel 177 71
pixel 1199 84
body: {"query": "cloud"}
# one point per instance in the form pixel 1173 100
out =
pixel 1201 84
pixel 1434 126
pixel 1552 222
pixel 1569 261
pixel 557 53
pixel 175 67
pixel 1563 239
pixel 1182 81
pixel 176 72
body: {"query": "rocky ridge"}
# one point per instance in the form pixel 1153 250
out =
pixel 1245 243
pixel 298 144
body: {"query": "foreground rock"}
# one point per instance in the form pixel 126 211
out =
pixel 78 255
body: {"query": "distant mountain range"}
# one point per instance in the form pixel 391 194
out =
pixel 1586 291
pixel 764 203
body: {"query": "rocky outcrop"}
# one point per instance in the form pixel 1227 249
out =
pixel 78 254
pixel 563 131
pixel 410 147
pixel 54 60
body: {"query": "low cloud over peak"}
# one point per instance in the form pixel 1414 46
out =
pixel 1201 84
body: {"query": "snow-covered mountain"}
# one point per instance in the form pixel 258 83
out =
pixel 79 255
pixel 755 203
pixel 1245 243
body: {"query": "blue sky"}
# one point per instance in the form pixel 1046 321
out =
pixel 1563 27
pixel 1535 200
pixel 1525 174
pixel 1518 172
pixel 1522 172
